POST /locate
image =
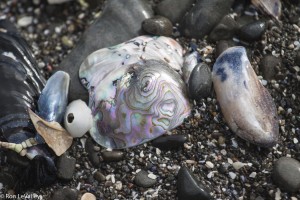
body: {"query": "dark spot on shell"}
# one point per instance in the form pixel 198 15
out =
pixel 70 117
pixel 220 72
pixel 234 58
pixel 245 84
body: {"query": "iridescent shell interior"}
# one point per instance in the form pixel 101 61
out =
pixel 136 91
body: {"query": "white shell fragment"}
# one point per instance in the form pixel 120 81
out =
pixel 247 106
pixel 55 136
pixel 78 118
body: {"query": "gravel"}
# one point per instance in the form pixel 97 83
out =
pixel 55 30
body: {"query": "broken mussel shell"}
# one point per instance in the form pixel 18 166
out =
pixel 55 136
pixel 247 106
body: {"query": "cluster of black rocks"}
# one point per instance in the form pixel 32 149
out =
pixel 204 160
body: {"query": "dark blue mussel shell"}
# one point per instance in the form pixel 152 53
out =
pixel 20 86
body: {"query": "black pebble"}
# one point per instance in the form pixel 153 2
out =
pixel 169 142
pixel 253 31
pixel 200 82
pixel 112 156
pixel 189 187
pixel 65 167
pixel 158 25
pixel 269 66
pixel 224 30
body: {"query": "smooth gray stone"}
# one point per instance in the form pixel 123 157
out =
pixel 200 82
pixel 174 10
pixel 141 179
pixel 120 21
pixel 204 16
pixel 286 174
pixel 189 187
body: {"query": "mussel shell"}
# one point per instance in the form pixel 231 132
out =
pixel 247 106
pixel 21 84
pixel 137 103
pixel 53 100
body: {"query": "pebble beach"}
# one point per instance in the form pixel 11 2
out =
pixel 203 151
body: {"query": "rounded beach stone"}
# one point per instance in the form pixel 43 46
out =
pixel 158 25
pixel 286 174
pixel 142 179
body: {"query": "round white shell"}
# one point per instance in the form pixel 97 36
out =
pixel 78 118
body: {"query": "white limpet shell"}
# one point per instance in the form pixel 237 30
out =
pixel 78 118
pixel 247 106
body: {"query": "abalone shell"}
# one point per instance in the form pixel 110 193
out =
pixel 136 91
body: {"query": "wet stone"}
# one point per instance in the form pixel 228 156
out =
pixel 169 142
pixel 189 187
pixel 174 10
pixel 92 153
pixel 286 174
pixel 65 167
pixel 224 30
pixel 6 179
pixel 222 45
pixel 269 66
pixel 112 156
pixel 200 21
pixel 65 194
pixel 200 82
pixel 99 176
pixel 252 31
pixel 141 179
pixel 158 25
